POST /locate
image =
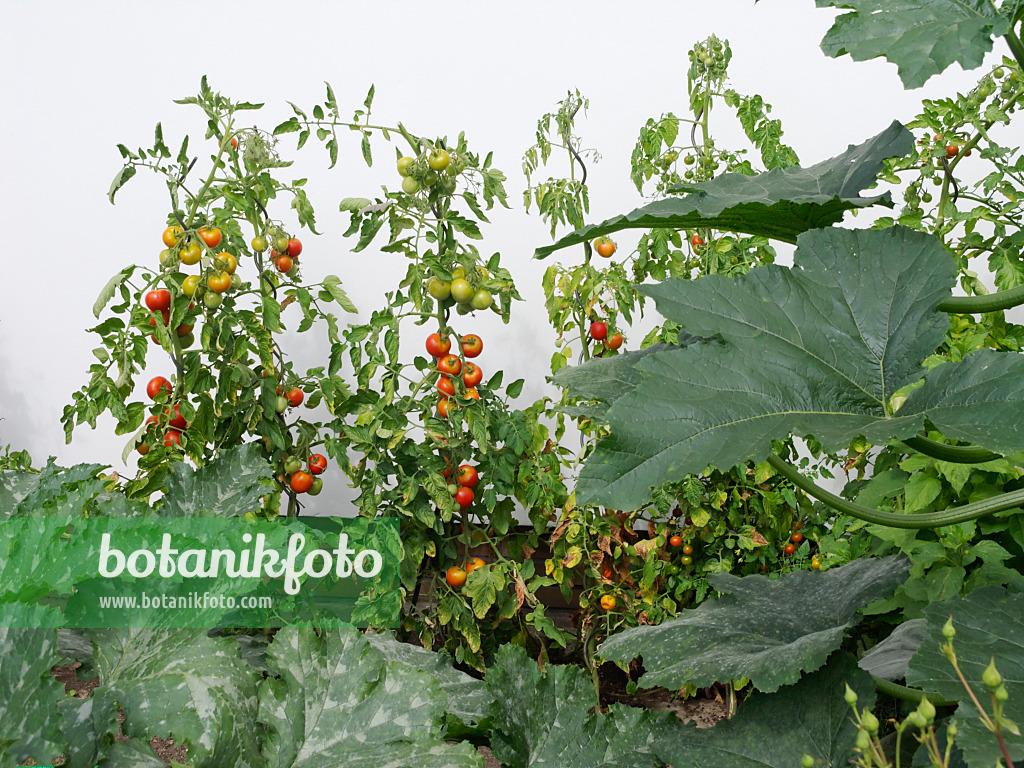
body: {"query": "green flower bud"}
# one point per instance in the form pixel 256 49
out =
pixel 1001 693
pixel 947 629
pixel 916 720
pixel 869 722
pixel 850 696
pixel 807 761
pixel 951 730
pixel 991 677
pixel 863 741
pixel 927 710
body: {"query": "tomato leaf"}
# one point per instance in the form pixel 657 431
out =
pixel 333 286
pixel 122 177
pixel 779 204
pixel 989 623
pixel 110 289
pixel 817 349
pixel 752 630
pixel 921 39
pixel 334 700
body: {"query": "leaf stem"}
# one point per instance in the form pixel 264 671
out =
pixel 957 454
pixel 993 302
pixel 961 514
pixel 905 693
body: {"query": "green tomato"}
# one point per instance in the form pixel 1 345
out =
pixel 439 289
pixel 405 165
pixel 463 309
pixel 292 464
pixel 410 186
pixel 281 405
pixel 187 340
pixel 316 487
pixel 236 282
pixel 462 291
pixel 430 179
pixel 439 160
pixel 482 299
pixel 212 300
pixel 259 244
pixel 168 259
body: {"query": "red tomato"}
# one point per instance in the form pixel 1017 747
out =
pixel 447 471
pixel 301 481
pixel 790 548
pixel 438 346
pixel 445 407
pixel 177 421
pixel 472 345
pixel 156 385
pixel 473 563
pixel 450 364
pixel 675 541
pixel 455 576
pixel 598 331
pixel 211 237
pixel 172 437
pixel 444 385
pixel 615 341
pixel 468 477
pixel 471 392
pixel 464 496
pixel 472 375
pixel 284 263
pixel 604 247
pixel 295 397
pixel 294 248
pixel 317 463
pixel 158 300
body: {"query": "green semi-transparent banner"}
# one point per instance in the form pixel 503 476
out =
pixel 199 572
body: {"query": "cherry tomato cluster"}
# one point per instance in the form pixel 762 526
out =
pixel 433 172
pixel 676 543
pixel 303 480
pixel 461 291
pixel 452 369
pixel 157 389
pixel 599 333
pixel 456 575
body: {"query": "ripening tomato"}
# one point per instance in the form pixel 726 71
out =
pixel 615 341
pixel 598 330
pixel 284 263
pixel 156 385
pixel 445 386
pixel 185 329
pixel 172 236
pixel 604 247
pixel 450 364
pixel 447 471
pixel 190 285
pixel 191 254
pixel 790 548
pixel 158 300
pixel 317 463
pixel 688 549
pixel 797 537
pixel 952 150
pixel 464 496
pixel 468 476
pixel 455 576
pixel 172 437
pixel 211 237
pixel 301 481
pixel 445 407
pixel 437 345
pixel 142 448
pixel 608 602
pixel 226 262
pixel 472 345
pixel 259 244
pixel 675 541
pixel 295 397
pixel 219 282
pixel 294 247
pixel 696 241
pixel 471 392
pixel 474 563
pixel 472 375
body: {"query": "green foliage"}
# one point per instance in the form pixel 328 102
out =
pixel 754 630
pixel 922 39
pixel 28 696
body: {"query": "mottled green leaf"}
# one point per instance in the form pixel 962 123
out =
pixel 545 718
pixel 28 696
pixel 752 630
pixel 228 487
pixel 336 701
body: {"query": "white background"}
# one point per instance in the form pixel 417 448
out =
pixel 77 78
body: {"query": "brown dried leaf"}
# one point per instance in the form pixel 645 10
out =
pixel 604 543
pixel 558 532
